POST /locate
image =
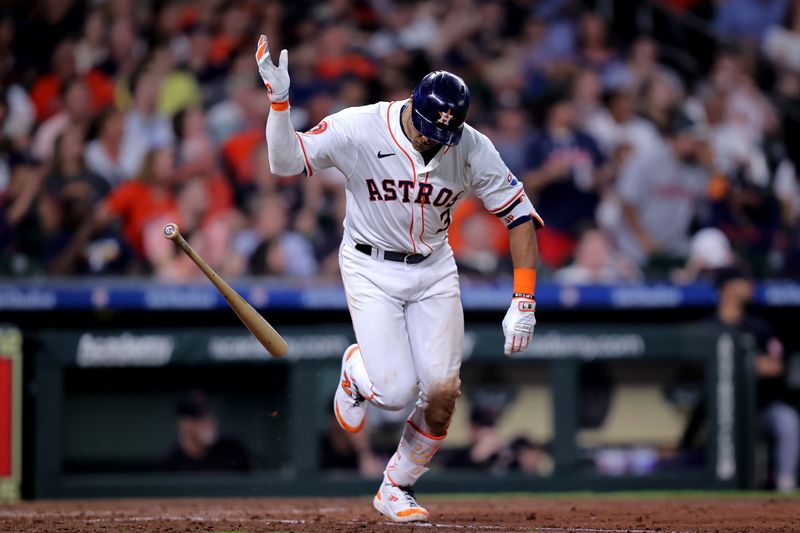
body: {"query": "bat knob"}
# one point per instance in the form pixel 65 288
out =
pixel 171 231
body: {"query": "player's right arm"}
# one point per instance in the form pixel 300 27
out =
pixel 292 153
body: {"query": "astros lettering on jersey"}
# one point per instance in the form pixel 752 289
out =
pixel 394 200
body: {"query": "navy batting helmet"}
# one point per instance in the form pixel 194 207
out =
pixel 439 106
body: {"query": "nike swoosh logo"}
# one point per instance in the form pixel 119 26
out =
pixel 381 156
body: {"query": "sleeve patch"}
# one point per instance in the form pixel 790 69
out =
pixel 319 128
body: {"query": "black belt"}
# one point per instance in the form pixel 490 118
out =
pixel 400 257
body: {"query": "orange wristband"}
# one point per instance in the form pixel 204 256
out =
pixel 524 280
pixel 280 106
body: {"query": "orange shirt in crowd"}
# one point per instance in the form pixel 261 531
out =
pixel 220 195
pixel 472 207
pixel 136 203
pixel 238 152
pixel 337 67
pixel 46 89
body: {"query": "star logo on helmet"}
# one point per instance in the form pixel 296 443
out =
pixel 445 117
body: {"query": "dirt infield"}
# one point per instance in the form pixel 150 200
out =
pixel 581 514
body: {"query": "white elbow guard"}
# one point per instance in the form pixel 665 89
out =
pixel 518 212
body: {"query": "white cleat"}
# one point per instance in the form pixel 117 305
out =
pixel 349 405
pixel 399 504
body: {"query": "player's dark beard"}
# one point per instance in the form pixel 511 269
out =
pixel 430 153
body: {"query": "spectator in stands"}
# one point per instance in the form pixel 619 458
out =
pixel 618 130
pixel 594 50
pixel 557 19
pixel 45 90
pixel 586 91
pixel 145 128
pixel 104 152
pixel 330 235
pixel 75 110
pixel 207 230
pixel 776 416
pixel 91 50
pixel 566 168
pixel 748 20
pixel 596 263
pixel 658 99
pixel 73 191
pixel 660 193
pixel 138 201
pixel 787 190
pixel 782 41
pixel 125 51
pixel 47 87
pixel 198 42
pixel 709 252
pixel 20 228
pixel 299 195
pixel 479 244
pixel 200 448
pixel 194 144
pixel 18 117
pixel 749 215
pixel 735 152
pixel 746 107
pixel 197 160
pixel 240 120
pixel 640 67
pixel 511 136
pixel 336 57
pixel 272 250
pixel 69 170
pixel 177 89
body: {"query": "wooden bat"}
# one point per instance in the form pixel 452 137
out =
pixel 260 328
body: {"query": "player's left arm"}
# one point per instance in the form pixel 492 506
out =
pixel 504 196
pixel 520 319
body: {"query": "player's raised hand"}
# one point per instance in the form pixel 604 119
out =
pixel 518 324
pixel 276 78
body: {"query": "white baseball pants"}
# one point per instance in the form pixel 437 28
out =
pixel 408 321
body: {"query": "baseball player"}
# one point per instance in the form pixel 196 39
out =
pixel 407 164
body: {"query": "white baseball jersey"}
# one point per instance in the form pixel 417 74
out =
pixel 395 201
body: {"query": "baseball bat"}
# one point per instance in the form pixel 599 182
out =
pixel 260 328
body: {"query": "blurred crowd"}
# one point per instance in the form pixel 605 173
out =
pixel 655 152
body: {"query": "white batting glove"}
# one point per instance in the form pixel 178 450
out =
pixel 275 78
pixel 518 324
